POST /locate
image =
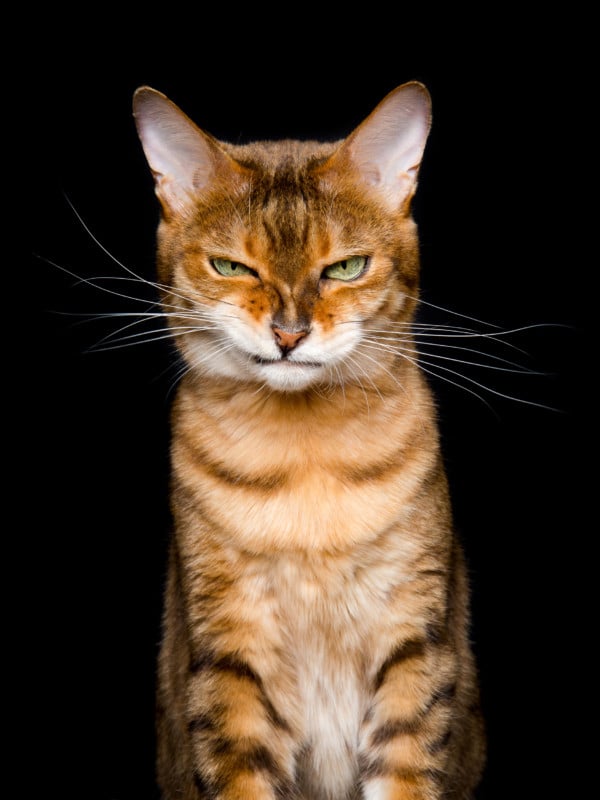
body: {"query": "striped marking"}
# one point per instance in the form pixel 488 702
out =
pixel 440 744
pixel 223 473
pixel 436 633
pixel 392 728
pixel 240 669
pixel 377 768
pixel 413 648
pixel 410 727
pixel 206 791
pixel 235 760
pixel 201 723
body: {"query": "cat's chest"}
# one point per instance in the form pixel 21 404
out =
pixel 327 615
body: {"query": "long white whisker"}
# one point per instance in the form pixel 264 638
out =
pixel 340 380
pixel 351 361
pixel 419 365
pixel 96 241
pixel 128 341
pixel 420 345
pixel 513 367
pixel 449 311
pixel 423 364
pixel 378 363
pixel 172 329
pixel 119 263
pixel 159 286
pixel 132 273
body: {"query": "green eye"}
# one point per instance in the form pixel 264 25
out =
pixel 231 269
pixel 347 269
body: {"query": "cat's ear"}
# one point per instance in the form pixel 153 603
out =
pixel 184 160
pixel 386 149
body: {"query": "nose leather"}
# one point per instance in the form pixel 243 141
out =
pixel 287 340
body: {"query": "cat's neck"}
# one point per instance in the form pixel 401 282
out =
pixel 332 461
pixel 232 396
pixel 319 413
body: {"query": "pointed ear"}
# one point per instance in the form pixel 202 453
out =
pixel 184 160
pixel 386 149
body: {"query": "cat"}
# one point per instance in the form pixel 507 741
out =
pixel 316 621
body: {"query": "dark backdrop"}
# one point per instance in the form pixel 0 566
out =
pixel 500 224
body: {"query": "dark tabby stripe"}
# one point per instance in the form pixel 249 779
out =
pixel 274 716
pixel 392 728
pixel 206 791
pixel 436 632
pixel 441 743
pixel 378 769
pixel 444 694
pixel 237 667
pixel 370 472
pixel 413 648
pixel 227 663
pixel 201 723
pixel 240 668
pixel 217 470
pixel 256 759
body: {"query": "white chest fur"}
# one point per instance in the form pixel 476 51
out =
pixel 331 609
pixel 333 702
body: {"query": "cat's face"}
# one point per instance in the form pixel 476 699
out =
pixel 286 261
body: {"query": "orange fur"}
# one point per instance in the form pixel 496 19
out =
pixel 316 617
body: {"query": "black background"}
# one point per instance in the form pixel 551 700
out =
pixel 500 215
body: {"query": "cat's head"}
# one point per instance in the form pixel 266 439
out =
pixel 285 263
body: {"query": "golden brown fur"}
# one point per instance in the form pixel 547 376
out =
pixel 316 618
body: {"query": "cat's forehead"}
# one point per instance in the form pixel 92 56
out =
pixel 286 213
pixel 284 155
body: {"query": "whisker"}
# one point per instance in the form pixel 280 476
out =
pixel 424 326
pixel 150 338
pixel 513 366
pixel 496 337
pixel 80 279
pixel 449 311
pixel 418 364
pixel 113 258
pixel 340 381
pixel 348 361
pixel 134 276
pixel 378 363
pixel 423 364
pixel 170 329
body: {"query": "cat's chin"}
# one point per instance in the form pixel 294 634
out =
pixel 288 376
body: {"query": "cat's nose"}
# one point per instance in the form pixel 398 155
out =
pixel 287 340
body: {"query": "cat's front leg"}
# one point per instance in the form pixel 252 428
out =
pixel 408 726
pixel 242 748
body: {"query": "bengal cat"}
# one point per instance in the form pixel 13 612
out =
pixel 316 625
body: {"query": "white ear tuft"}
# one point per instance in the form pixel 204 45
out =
pixel 388 146
pixel 180 155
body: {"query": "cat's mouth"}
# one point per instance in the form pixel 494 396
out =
pixel 285 361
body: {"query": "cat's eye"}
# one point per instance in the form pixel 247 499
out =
pixel 231 269
pixel 347 269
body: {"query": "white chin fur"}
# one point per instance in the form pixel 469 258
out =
pixel 282 377
pixel 286 377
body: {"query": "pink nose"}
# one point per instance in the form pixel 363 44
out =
pixel 286 340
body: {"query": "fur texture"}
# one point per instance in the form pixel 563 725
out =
pixel 316 615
